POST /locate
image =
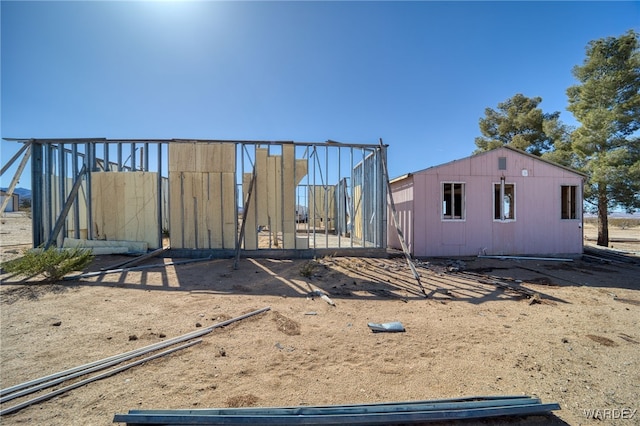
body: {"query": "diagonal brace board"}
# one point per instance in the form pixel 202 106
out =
pixel 244 219
pixel 65 210
pixel 14 158
pixel 407 255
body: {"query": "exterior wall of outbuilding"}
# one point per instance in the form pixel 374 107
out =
pixel 13 204
pixel 538 228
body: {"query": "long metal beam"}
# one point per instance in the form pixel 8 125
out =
pixel 140 351
pixel 71 141
pixel 367 414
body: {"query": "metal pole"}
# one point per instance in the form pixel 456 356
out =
pixel 326 198
pixel 133 156
pixel 37 214
pixel 159 202
pixel 119 157
pixel 76 203
pixel 107 167
pixel 62 172
pixel 47 189
pixel 89 161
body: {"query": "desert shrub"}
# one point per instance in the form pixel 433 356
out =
pixel 307 269
pixel 53 263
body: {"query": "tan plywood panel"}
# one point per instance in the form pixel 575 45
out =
pixel 288 202
pixel 250 229
pixel 228 158
pixel 207 158
pixel 186 216
pixel 229 210
pixel 181 156
pixel 321 205
pixel 218 157
pixel 203 210
pixel 274 179
pixel 212 211
pixel 182 210
pixel 356 224
pixel 175 209
pixel 140 207
pixel 125 206
pixel 261 194
pixel 301 170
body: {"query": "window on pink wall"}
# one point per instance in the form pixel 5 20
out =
pixel 504 202
pixel 453 199
pixel 569 209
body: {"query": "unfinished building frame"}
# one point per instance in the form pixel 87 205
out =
pixel 211 197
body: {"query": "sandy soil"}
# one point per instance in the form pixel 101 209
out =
pixel 576 342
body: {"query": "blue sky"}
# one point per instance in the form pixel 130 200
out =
pixel 419 75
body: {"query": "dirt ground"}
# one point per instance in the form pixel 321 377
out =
pixel 569 333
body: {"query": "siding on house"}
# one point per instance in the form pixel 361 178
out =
pixel 537 228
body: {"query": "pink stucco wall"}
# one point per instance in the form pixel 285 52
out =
pixel 537 229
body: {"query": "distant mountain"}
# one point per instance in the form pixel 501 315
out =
pixel 24 193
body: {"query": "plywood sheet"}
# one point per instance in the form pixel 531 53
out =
pixel 125 206
pixel 217 157
pixel 229 211
pixel 250 229
pixel 261 191
pixel 322 205
pixel 288 195
pixel 274 194
pixel 203 210
pixel 356 224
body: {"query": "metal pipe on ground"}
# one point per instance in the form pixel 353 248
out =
pixel 136 352
pixel 135 268
pixel 92 379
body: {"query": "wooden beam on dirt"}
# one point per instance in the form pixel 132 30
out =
pixel 396 224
